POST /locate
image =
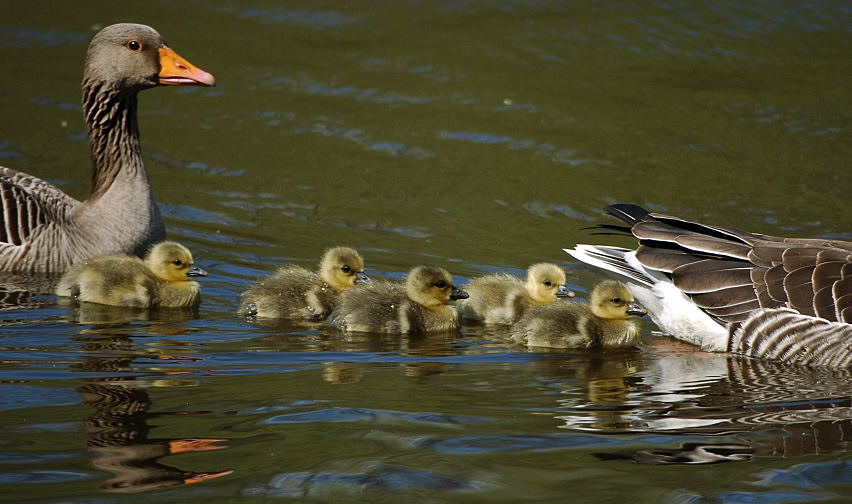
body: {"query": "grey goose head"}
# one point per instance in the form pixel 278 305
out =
pixel 132 57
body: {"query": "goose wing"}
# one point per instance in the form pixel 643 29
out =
pixel 730 273
pixel 29 205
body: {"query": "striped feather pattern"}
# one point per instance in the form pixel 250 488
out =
pixel 45 230
pixel 806 275
pixel 780 298
pixel 27 203
pixel 787 335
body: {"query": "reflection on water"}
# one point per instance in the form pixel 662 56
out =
pixel 477 136
pixel 118 429
pixel 773 410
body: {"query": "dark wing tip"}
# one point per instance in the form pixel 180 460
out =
pixel 627 212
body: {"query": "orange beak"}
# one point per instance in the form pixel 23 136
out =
pixel 193 445
pixel 176 71
pixel 199 477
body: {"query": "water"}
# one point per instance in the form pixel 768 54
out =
pixel 479 136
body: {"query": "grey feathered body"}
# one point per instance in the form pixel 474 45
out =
pixel 788 299
pixel 786 335
pixel 291 292
pixel 45 230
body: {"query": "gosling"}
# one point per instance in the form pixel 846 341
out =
pixel 295 292
pixel 609 320
pixel 162 279
pixel 503 299
pixel 420 305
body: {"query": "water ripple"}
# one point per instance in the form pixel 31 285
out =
pixel 810 475
pixel 19 36
pixel 384 477
pixel 314 19
pixel 554 153
pixel 494 443
pixel 308 85
pixel 361 414
pixel 19 478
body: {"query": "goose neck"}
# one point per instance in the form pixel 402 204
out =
pixel 110 116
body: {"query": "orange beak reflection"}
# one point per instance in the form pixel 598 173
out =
pixel 199 477
pixel 177 71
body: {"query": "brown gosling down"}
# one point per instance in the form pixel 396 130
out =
pixel 162 279
pixel 295 292
pixel 44 229
pixel 503 299
pixel 419 305
pixel 609 320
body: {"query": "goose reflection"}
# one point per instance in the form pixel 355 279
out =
pixel 28 290
pixel 771 409
pixel 118 428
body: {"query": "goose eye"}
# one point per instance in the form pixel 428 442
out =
pixel 548 283
pixel 440 284
pixel 346 269
pixel 616 300
pixel 177 262
pixel 134 45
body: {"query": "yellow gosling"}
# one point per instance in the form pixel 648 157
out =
pixel 419 305
pixel 609 320
pixel 503 299
pixel 162 279
pixel 295 292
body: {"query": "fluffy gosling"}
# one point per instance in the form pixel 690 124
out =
pixel 503 299
pixel 162 279
pixel 295 292
pixel 420 305
pixel 609 320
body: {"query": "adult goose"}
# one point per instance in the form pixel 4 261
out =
pixel 724 289
pixel 45 230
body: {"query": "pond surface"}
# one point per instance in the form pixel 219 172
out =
pixel 480 136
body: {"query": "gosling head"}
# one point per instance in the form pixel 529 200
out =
pixel 431 286
pixel 342 267
pixel 546 282
pixel 172 262
pixel 612 300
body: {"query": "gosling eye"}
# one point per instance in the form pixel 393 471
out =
pixel 440 284
pixel 616 300
pixel 177 262
pixel 134 45
pixel 548 283
pixel 346 269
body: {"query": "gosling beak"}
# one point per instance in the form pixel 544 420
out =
pixel 177 71
pixel 362 278
pixel 196 271
pixel 635 309
pixel 564 291
pixel 459 294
